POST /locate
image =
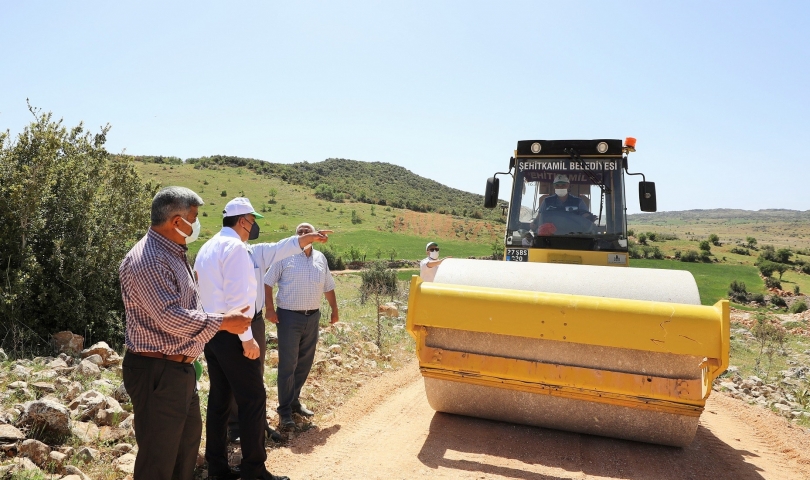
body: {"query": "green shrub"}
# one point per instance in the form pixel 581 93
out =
pixel 806 268
pixel 224 193
pixel 642 238
pixel 741 251
pixel 737 292
pixel 705 256
pixel 766 268
pixel 714 239
pixel 778 301
pixel 796 289
pixel 771 282
pixel 689 256
pixel 798 307
pixel 333 260
pixel 705 246
pixel 651 236
pixel 757 297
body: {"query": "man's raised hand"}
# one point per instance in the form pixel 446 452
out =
pixel 321 236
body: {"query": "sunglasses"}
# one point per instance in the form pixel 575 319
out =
pixel 434 249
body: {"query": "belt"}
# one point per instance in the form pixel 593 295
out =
pixel 174 358
pixel 305 313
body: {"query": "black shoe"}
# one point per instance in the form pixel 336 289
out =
pixel 271 434
pixel 286 422
pixel 234 474
pixel 269 476
pixel 303 411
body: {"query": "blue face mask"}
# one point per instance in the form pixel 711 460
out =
pixel 195 230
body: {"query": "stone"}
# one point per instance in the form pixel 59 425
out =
pixel 389 310
pixel 121 394
pixel 87 368
pixel 17 385
pixel 67 450
pixel 87 454
pixel 86 405
pixel 87 432
pixel 122 448
pixel 9 433
pixel 371 349
pixel 24 463
pixel 57 458
pixel 336 360
pixel 125 463
pixel 73 470
pixel 335 349
pixel 37 451
pixel 3 355
pixel 43 387
pixel 782 409
pixel 50 417
pixel 68 342
pixel 129 425
pixel 756 380
pixel 108 356
pixel 20 371
pixel 58 363
pixel 272 358
pixel 112 434
pixel 96 359
pixel 73 390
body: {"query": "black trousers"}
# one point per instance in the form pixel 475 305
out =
pixel 168 426
pixel 231 373
pixel 258 328
pixel 297 340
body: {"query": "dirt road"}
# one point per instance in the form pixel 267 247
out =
pixel 388 431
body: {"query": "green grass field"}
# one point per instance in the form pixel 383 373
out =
pixel 712 279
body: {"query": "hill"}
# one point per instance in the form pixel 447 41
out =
pixel 339 179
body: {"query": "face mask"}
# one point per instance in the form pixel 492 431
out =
pixel 254 231
pixel 561 192
pixel 195 230
pixel 433 255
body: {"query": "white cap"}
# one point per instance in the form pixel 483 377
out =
pixel 239 206
pixel 431 244
pixel 561 178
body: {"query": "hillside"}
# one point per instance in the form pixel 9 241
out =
pixel 376 183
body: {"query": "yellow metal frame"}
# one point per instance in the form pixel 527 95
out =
pixel 695 330
pixel 573 257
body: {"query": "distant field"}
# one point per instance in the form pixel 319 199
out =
pixel 712 279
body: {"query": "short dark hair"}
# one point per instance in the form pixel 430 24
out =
pixel 232 220
pixel 172 201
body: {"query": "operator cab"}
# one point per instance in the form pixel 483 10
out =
pixel 569 195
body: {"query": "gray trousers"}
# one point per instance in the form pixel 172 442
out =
pixel 168 426
pixel 297 339
pixel 258 328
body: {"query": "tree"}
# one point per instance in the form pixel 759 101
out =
pixel 783 255
pixel 781 268
pixel 766 268
pixel 70 212
pixel 704 245
pixel 751 242
pixel 642 238
pixel 714 239
pixel 378 282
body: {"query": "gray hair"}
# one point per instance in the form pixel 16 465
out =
pixel 171 201
pixel 305 225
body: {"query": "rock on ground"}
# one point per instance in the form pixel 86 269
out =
pixel 37 451
pixel 51 417
pixel 67 342
pixel 9 433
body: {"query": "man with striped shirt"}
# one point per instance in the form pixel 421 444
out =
pixel 303 280
pixel 166 329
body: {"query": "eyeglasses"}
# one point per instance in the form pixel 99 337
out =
pixel 303 232
pixel 434 249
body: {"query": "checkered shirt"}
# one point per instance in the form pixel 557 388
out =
pixel 163 312
pixel 301 280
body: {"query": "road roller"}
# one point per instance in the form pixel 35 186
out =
pixel 557 334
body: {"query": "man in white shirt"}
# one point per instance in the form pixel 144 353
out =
pixel 303 280
pixel 429 265
pixel 226 277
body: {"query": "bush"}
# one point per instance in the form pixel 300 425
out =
pixel 69 212
pixel 378 281
pixel 651 236
pixel 705 246
pixel 757 297
pixel 778 301
pixel 751 242
pixel 677 254
pixel 783 255
pixel 771 282
pixel 798 307
pixel 796 289
pixel 741 251
pixel 333 260
pixel 689 256
pixel 224 193
pixel 766 268
pixel 642 238
pixel 705 256
pixel 356 218
pixel 806 268
pixel 714 239
pixel 737 292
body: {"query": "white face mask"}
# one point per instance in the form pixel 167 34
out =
pixel 195 230
pixel 433 255
pixel 561 192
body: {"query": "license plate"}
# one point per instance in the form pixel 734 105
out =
pixel 617 258
pixel 517 255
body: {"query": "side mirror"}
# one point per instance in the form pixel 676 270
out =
pixel 491 193
pixel 646 196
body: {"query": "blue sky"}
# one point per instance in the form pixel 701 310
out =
pixel 716 92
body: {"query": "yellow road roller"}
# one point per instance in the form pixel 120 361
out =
pixel 555 335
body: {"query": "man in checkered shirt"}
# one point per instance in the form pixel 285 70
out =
pixel 303 280
pixel 166 329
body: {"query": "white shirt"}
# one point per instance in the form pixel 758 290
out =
pixel 427 273
pixel 266 254
pixel 302 281
pixel 224 268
